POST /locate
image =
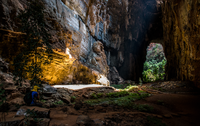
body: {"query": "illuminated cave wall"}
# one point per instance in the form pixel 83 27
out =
pixel 67 30
pixel 124 41
pixel 63 68
pixel 181 24
pixel 133 24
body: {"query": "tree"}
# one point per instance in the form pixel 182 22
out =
pixel 35 45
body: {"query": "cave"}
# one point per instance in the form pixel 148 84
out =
pixel 100 62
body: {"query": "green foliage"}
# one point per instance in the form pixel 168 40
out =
pixel 154 71
pixel 117 94
pixel 118 86
pixel 124 99
pixel 58 103
pixel 154 67
pixel 131 87
pixel 94 96
pixel 143 108
pixel 121 86
pixel 153 121
pixel 73 98
pixel 28 63
pixel 42 100
pixel 31 115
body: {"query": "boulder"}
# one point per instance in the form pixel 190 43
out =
pixel 11 121
pixel 56 96
pixel 35 122
pixel 19 101
pixel 49 89
pixel 41 112
pixel 14 95
pixel 63 91
pixel 66 98
pixel 3 66
pixel 114 76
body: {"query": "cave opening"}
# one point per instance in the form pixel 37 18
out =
pixel 154 66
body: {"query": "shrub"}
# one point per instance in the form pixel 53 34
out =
pixel 154 67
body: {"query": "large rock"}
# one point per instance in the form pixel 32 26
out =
pixel 37 121
pixel 49 89
pixel 97 58
pixel 64 95
pixel 10 119
pixel 17 101
pixel 66 98
pixel 114 76
pixel 3 65
pixel 41 112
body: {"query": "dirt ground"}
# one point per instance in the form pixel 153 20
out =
pixel 172 103
pixel 175 106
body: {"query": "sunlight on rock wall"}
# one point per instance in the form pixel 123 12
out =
pixel 63 68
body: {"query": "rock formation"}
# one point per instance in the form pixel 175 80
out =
pixel 124 29
pixel 181 39
pixel 97 58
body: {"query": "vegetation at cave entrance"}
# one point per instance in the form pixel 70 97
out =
pixel 154 66
pixel 122 98
pixel 28 63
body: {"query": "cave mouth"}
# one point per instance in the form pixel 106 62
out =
pixel 154 66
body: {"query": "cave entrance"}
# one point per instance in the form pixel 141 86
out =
pixel 154 66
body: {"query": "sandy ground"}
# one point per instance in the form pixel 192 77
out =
pixel 77 87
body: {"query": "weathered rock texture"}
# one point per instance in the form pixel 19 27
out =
pixel 71 40
pixel 181 23
pixel 140 24
pixel 122 28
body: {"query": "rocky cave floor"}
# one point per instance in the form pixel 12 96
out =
pixel 171 103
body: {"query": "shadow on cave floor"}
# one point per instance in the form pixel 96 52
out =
pixel 167 103
pixel 171 103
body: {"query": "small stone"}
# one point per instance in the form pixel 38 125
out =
pixel 98 122
pixel 66 98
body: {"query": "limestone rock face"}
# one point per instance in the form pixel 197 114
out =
pixel 181 24
pixel 70 37
pixel 136 28
pixel 114 76
pixel 9 10
pixel 97 58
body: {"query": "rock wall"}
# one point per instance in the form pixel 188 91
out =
pixel 124 27
pixel 69 34
pixel 181 22
pixel 142 24
pixel 121 30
